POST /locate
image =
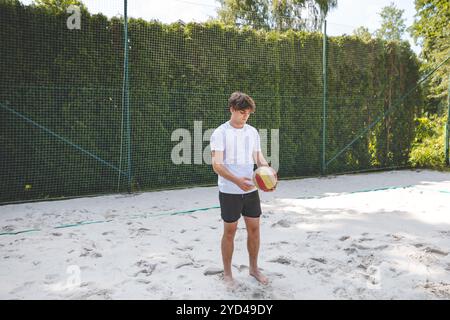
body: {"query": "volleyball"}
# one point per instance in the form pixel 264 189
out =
pixel 265 178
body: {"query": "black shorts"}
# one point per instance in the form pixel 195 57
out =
pixel 232 205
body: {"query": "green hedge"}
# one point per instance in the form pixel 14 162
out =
pixel 70 82
pixel 428 149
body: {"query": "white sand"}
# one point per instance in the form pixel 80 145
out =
pixel 337 244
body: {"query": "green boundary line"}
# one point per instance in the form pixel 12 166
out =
pixel 359 191
pixel 18 232
pixel 374 190
pixel 147 215
pixel 82 223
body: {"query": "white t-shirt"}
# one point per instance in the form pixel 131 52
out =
pixel 238 146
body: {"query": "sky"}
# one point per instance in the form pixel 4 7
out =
pixel 349 14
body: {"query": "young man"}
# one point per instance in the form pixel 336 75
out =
pixel 235 148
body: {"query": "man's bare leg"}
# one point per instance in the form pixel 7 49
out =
pixel 229 231
pixel 253 239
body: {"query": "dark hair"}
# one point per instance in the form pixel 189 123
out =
pixel 241 101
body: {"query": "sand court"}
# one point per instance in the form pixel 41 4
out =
pixel 382 235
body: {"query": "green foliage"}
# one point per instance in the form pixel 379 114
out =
pixel 58 6
pixel 377 82
pixel 428 149
pixel 70 81
pixel 275 14
pixel 363 33
pixel 392 24
pixel 431 30
pixel 249 13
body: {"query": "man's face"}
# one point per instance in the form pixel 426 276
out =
pixel 240 116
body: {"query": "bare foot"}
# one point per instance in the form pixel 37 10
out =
pixel 260 277
pixel 229 282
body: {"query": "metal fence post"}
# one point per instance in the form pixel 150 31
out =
pixel 324 113
pixel 447 126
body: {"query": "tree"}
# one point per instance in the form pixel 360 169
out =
pixel 275 14
pixel 58 6
pixel 10 2
pixel 363 33
pixel 431 30
pixel 392 23
pixel 254 13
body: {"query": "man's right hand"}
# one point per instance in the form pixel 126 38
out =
pixel 245 183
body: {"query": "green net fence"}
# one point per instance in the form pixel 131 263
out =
pixel 129 105
pixel 365 81
pixel 61 102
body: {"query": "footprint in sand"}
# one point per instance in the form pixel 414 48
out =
pixel 24 286
pixel 313 234
pixel 143 281
pixel 396 273
pixel 382 247
pixel 366 262
pixel 140 232
pixel 440 290
pixel 275 275
pixel 435 251
pixel 430 250
pixel 350 251
pixel 90 253
pixel 365 239
pixel 282 260
pixel 185 248
pixel 8 228
pixel 314 268
pixel 212 271
pixel 282 223
pixel 51 277
pixel 445 233
pixel 321 260
pixel 360 247
pixel 184 264
pixel 340 292
pixel 395 237
pixel 259 294
pixel 97 294
pixel 147 268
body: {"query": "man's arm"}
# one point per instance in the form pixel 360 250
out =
pixel 259 159
pixel 221 170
